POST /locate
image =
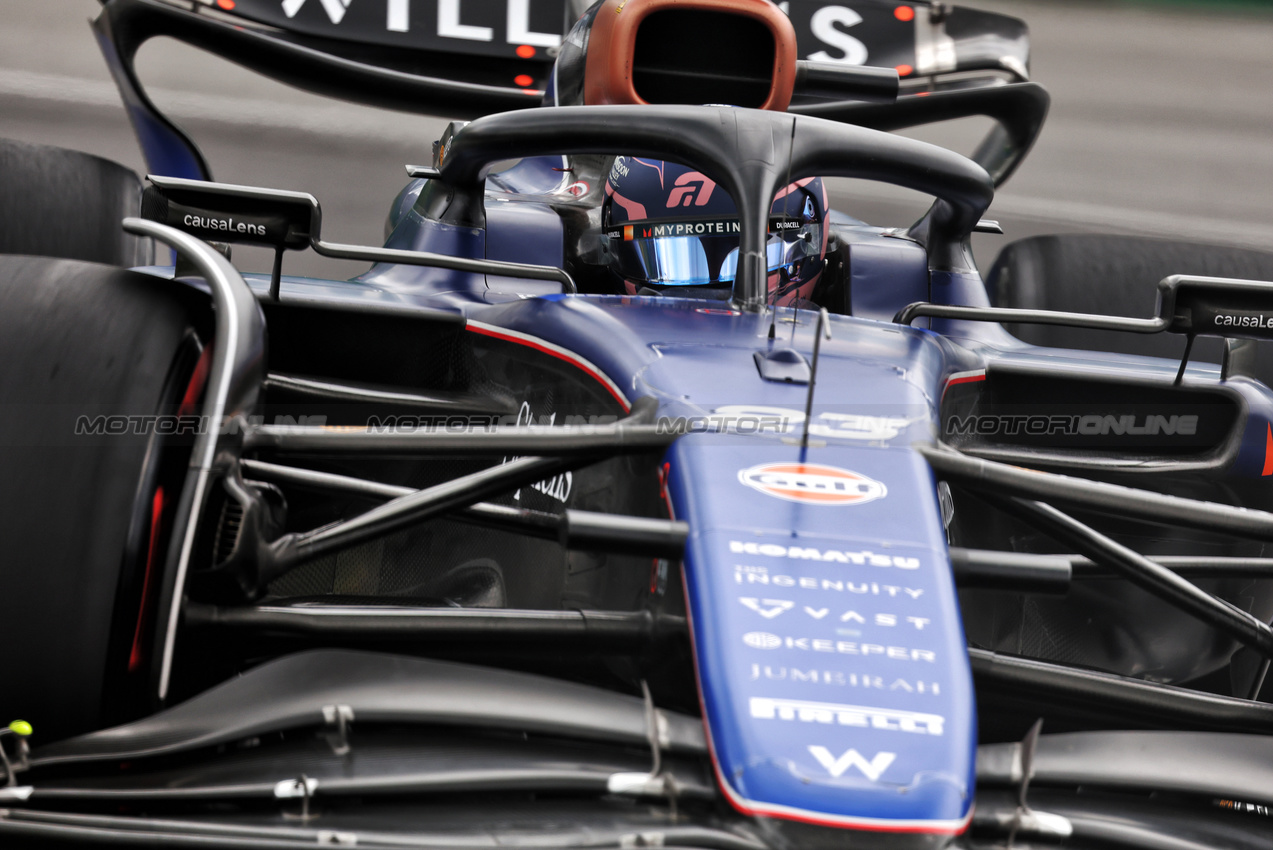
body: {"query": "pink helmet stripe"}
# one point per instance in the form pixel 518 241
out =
pixel 634 209
pixel 796 185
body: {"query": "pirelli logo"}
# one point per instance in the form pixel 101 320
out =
pixel 830 714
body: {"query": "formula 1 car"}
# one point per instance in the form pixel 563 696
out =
pixel 632 497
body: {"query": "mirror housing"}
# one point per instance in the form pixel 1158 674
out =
pixel 226 213
pixel 1223 307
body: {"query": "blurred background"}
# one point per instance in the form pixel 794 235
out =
pixel 1161 124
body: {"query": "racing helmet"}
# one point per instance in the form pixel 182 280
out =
pixel 673 231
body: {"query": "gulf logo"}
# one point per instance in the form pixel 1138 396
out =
pixel 812 483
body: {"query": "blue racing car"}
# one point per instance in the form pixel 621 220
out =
pixel 632 497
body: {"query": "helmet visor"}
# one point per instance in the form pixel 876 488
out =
pixel 670 260
pixel 788 249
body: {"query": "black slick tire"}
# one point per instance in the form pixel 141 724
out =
pixel 1116 276
pixel 56 202
pixel 80 341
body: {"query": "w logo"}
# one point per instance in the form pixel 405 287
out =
pixel 852 758
pixel 685 195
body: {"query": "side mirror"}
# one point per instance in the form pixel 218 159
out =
pixel 224 213
pixel 1237 310
pixel 1224 307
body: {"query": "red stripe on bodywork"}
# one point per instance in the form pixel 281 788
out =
pixel 753 809
pixel 963 378
pixel 1268 451
pixel 577 362
pixel 966 379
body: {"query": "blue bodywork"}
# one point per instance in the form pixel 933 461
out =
pixel 828 642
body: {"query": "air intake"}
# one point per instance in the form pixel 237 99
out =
pixel 674 63
pixel 736 52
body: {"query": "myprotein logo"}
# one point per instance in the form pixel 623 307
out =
pixel 812 483
pixel 804 711
pixel 670 229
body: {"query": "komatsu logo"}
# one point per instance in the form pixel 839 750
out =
pixel 863 557
pixel 1091 424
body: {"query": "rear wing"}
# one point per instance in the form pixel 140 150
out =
pixel 926 38
pixel 467 58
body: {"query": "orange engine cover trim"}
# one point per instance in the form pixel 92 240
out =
pixel 612 43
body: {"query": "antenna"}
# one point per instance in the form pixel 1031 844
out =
pixel 823 326
pixel 795 316
pixel 773 309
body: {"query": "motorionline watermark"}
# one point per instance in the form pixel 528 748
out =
pixel 707 423
pixel 772 422
pixel 118 425
pixel 1091 424
pixel 115 425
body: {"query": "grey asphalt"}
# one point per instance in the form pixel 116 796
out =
pixel 1161 124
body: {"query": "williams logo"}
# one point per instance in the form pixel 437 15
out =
pixel 335 9
pixel 812 483
pixel 837 765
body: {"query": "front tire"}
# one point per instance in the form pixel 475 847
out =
pixel 82 345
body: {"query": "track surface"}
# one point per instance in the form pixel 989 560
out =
pixel 1161 124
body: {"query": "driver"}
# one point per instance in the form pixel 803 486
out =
pixel 673 231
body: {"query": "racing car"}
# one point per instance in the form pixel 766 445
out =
pixel 632 496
